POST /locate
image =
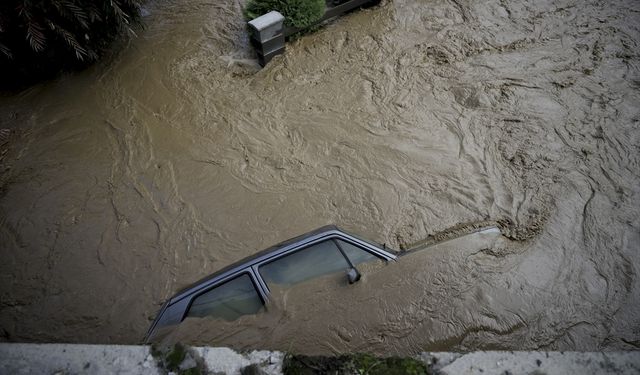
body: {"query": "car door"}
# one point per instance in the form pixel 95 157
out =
pixel 228 300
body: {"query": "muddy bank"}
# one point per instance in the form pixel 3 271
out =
pixel 179 156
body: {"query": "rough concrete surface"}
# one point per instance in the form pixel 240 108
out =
pixel 76 359
pixel 66 359
pixel 539 363
pixel 228 361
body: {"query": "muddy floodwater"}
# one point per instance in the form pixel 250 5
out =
pixel 178 155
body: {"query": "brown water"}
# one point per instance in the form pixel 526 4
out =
pixel 180 155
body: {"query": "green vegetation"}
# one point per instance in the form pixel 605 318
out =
pixel 297 13
pixel 39 38
pixel 175 357
pixel 353 364
pixel 170 359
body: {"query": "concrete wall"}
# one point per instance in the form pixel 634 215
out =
pixel 66 359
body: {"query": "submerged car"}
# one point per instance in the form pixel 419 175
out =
pixel 244 287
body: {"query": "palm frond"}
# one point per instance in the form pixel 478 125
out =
pixel 35 36
pixel 6 51
pixel 48 36
pixel 72 42
pixel 93 12
pixel 92 55
pixel 71 11
pixel 121 16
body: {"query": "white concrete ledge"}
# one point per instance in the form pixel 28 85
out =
pixel 65 359
pixel 539 363
pixel 50 359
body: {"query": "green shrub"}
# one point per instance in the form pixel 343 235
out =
pixel 352 364
pixel 41 37
pixel 297 13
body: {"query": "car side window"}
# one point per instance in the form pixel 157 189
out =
pixel 228 301
pixel 356 254
pixel 317 260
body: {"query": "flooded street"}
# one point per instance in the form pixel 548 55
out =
pixel 178 156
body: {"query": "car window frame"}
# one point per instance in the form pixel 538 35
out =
pixel 331 237
pixel 297 250
pixel 359 246
pixel 220 282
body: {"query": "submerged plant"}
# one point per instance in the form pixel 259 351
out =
pixel 44 36
pixel 297 13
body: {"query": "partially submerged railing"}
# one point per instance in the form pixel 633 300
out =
pixel 267 32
